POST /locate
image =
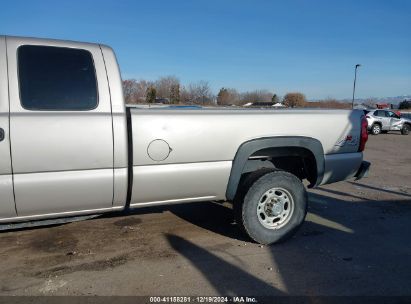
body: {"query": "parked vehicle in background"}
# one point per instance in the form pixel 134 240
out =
pixel 382 121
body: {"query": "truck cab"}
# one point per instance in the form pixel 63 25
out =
pixel 50 162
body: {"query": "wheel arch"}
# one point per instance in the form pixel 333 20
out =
pixel 406 124
pixel 281 146
pixel 379 123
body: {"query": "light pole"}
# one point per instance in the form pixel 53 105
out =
pixel 355 79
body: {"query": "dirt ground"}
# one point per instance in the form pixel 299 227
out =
pixel 356 240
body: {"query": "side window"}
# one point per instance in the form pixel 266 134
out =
pixel 379 113
pixel 392 114
pixel 56 78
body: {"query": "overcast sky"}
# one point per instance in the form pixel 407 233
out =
pixel 308 46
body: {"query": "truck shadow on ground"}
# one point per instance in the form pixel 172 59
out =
pixel 226 278
pixel 357 184
pixel 343 248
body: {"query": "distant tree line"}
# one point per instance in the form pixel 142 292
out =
pixel 169 89
pixel 328 103
pixel 228 96
pixel 406 104
pixel 166 89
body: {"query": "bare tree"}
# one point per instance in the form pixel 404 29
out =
pixel 151 95
pixel 294 100
pixel 256 96
pixel 198 93
pixel 135 91
pixel 175 93
pixel 370 103
pixel 228 96
pixel 185 95
pixel 141 89
pixel 128 90
pixel 275 99
pixel 166 87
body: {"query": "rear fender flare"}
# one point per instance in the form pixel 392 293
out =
pixel 248 148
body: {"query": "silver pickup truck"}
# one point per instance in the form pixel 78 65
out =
pixel 69 146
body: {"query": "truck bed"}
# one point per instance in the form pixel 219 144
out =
pixel 190 146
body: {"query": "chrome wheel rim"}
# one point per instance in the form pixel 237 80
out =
pixel 275 208
pixel 376 129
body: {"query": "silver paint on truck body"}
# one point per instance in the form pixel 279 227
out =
pixel 54 151
pixel 341 166
pixel 7 206
pixel 202 140
pixel 66 191
pixel 215 135
pixel 56 215
pixel 180 182
pixel 119 122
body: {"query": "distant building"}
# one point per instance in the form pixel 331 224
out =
pixel 259 104
pixel 384 106
pixel 278 105
pixel 361 107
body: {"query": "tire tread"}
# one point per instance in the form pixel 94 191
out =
pixel 247 185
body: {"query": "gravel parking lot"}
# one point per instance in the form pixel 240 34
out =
pixel 356 241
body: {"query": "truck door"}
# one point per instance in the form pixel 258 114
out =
pixel 61 127
pixel 7 207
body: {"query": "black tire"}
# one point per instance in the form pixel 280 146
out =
pixel 405 129
pixel 246 204
pixel 247 180
pixel 375 129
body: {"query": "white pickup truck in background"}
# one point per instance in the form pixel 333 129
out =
pixel 69 146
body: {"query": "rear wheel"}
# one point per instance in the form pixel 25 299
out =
pixel 273 206
pixel 405 129
pixel 376 129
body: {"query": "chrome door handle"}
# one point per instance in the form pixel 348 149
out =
pixel 1 134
